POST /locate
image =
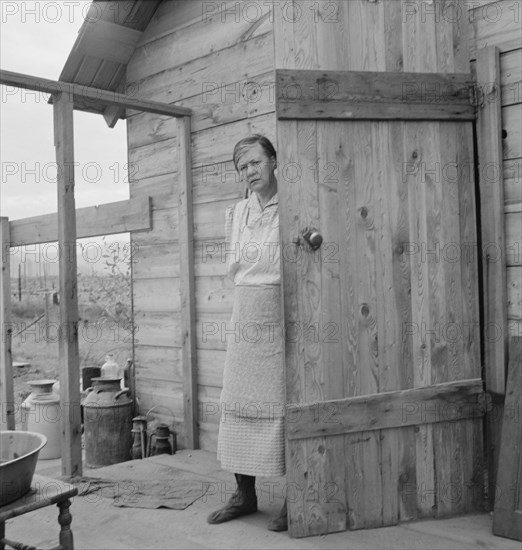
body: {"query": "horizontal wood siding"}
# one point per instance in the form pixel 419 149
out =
pixel 499 24
pixel 216 59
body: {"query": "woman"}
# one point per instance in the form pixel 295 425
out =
pixel 251 431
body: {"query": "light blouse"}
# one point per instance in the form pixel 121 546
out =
pixel 252 242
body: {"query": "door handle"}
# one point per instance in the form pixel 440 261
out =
pixel 313 238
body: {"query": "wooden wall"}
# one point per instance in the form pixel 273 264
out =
pixel 499 24
pixel 186 57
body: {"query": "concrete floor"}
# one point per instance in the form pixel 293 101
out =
pixel 97 524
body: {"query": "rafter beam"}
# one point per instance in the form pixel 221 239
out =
pixel 84 94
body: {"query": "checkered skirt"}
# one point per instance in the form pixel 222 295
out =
pixel 251 432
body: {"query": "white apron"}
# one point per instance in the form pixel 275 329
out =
pixel 251 431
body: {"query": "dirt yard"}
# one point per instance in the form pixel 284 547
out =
pixel 104 327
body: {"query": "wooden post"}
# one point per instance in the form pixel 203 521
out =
pixel 507 519
pixel 187 290
pixel 46 309
pixel 69 357
pixel 6 359
pixel 489 130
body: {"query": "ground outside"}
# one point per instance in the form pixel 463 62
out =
pixel 105 516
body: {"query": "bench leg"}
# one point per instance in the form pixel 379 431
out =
pixel 64 519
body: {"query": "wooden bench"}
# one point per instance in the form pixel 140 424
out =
pixel 44 492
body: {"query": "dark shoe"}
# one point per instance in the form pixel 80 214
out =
pixel 279 522
pixel 234 508
pixel 241 503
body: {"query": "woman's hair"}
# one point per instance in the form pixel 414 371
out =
pixel 247 142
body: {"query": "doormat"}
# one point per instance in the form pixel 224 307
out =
pixel 177 491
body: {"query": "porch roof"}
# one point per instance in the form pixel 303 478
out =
pixel 106 41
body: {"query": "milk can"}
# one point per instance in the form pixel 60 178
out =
pixel 41 413
pixel 107 423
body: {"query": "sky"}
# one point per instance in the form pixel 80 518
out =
pixel 36 38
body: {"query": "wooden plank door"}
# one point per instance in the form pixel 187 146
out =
pixel 382 347
pixel 382 322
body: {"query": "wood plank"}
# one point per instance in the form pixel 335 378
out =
pixel 164 406
pixel 156 295
pixel 351 301
pixel 7 409
pixel 209 404
pixel 187 288
pixel 69 360
pixel 367 446
pixel 462 474
pixel 422 151
pixel 492 224
pixel 323 487
pixel 82 93
pixel 214 145
pixel 107 40
pixel 211 365
pixel 154 160
pixel 496 25
pixel 209 224
pixel 288 186
pixel 154 185
pixel 253 57
pixel 215 294
pixel 467 217
pixel 511 132
pixel 507 518
pixel 155 261
pixel 393 311
pixel 513 230
pixel 105 219
pixel 157 328
pixel 177 15
pixel 233 27
pixel 511 68
pixel 511 77
pixel 158 362
pixel 210 258
pixel 214 329
pixel 449 401
pixel 330 167
pixel 218 181
pixel 514 293
pixel 164 230
pixel 208 436
pixel 511 172
pixel 352 95
pixel 219 103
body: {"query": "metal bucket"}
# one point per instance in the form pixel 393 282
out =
pixel 41 413
pixel 107 411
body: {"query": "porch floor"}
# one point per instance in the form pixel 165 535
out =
pixel 97 524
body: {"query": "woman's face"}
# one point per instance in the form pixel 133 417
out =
pixel 257 170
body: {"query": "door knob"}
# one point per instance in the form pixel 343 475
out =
pixel 313 238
